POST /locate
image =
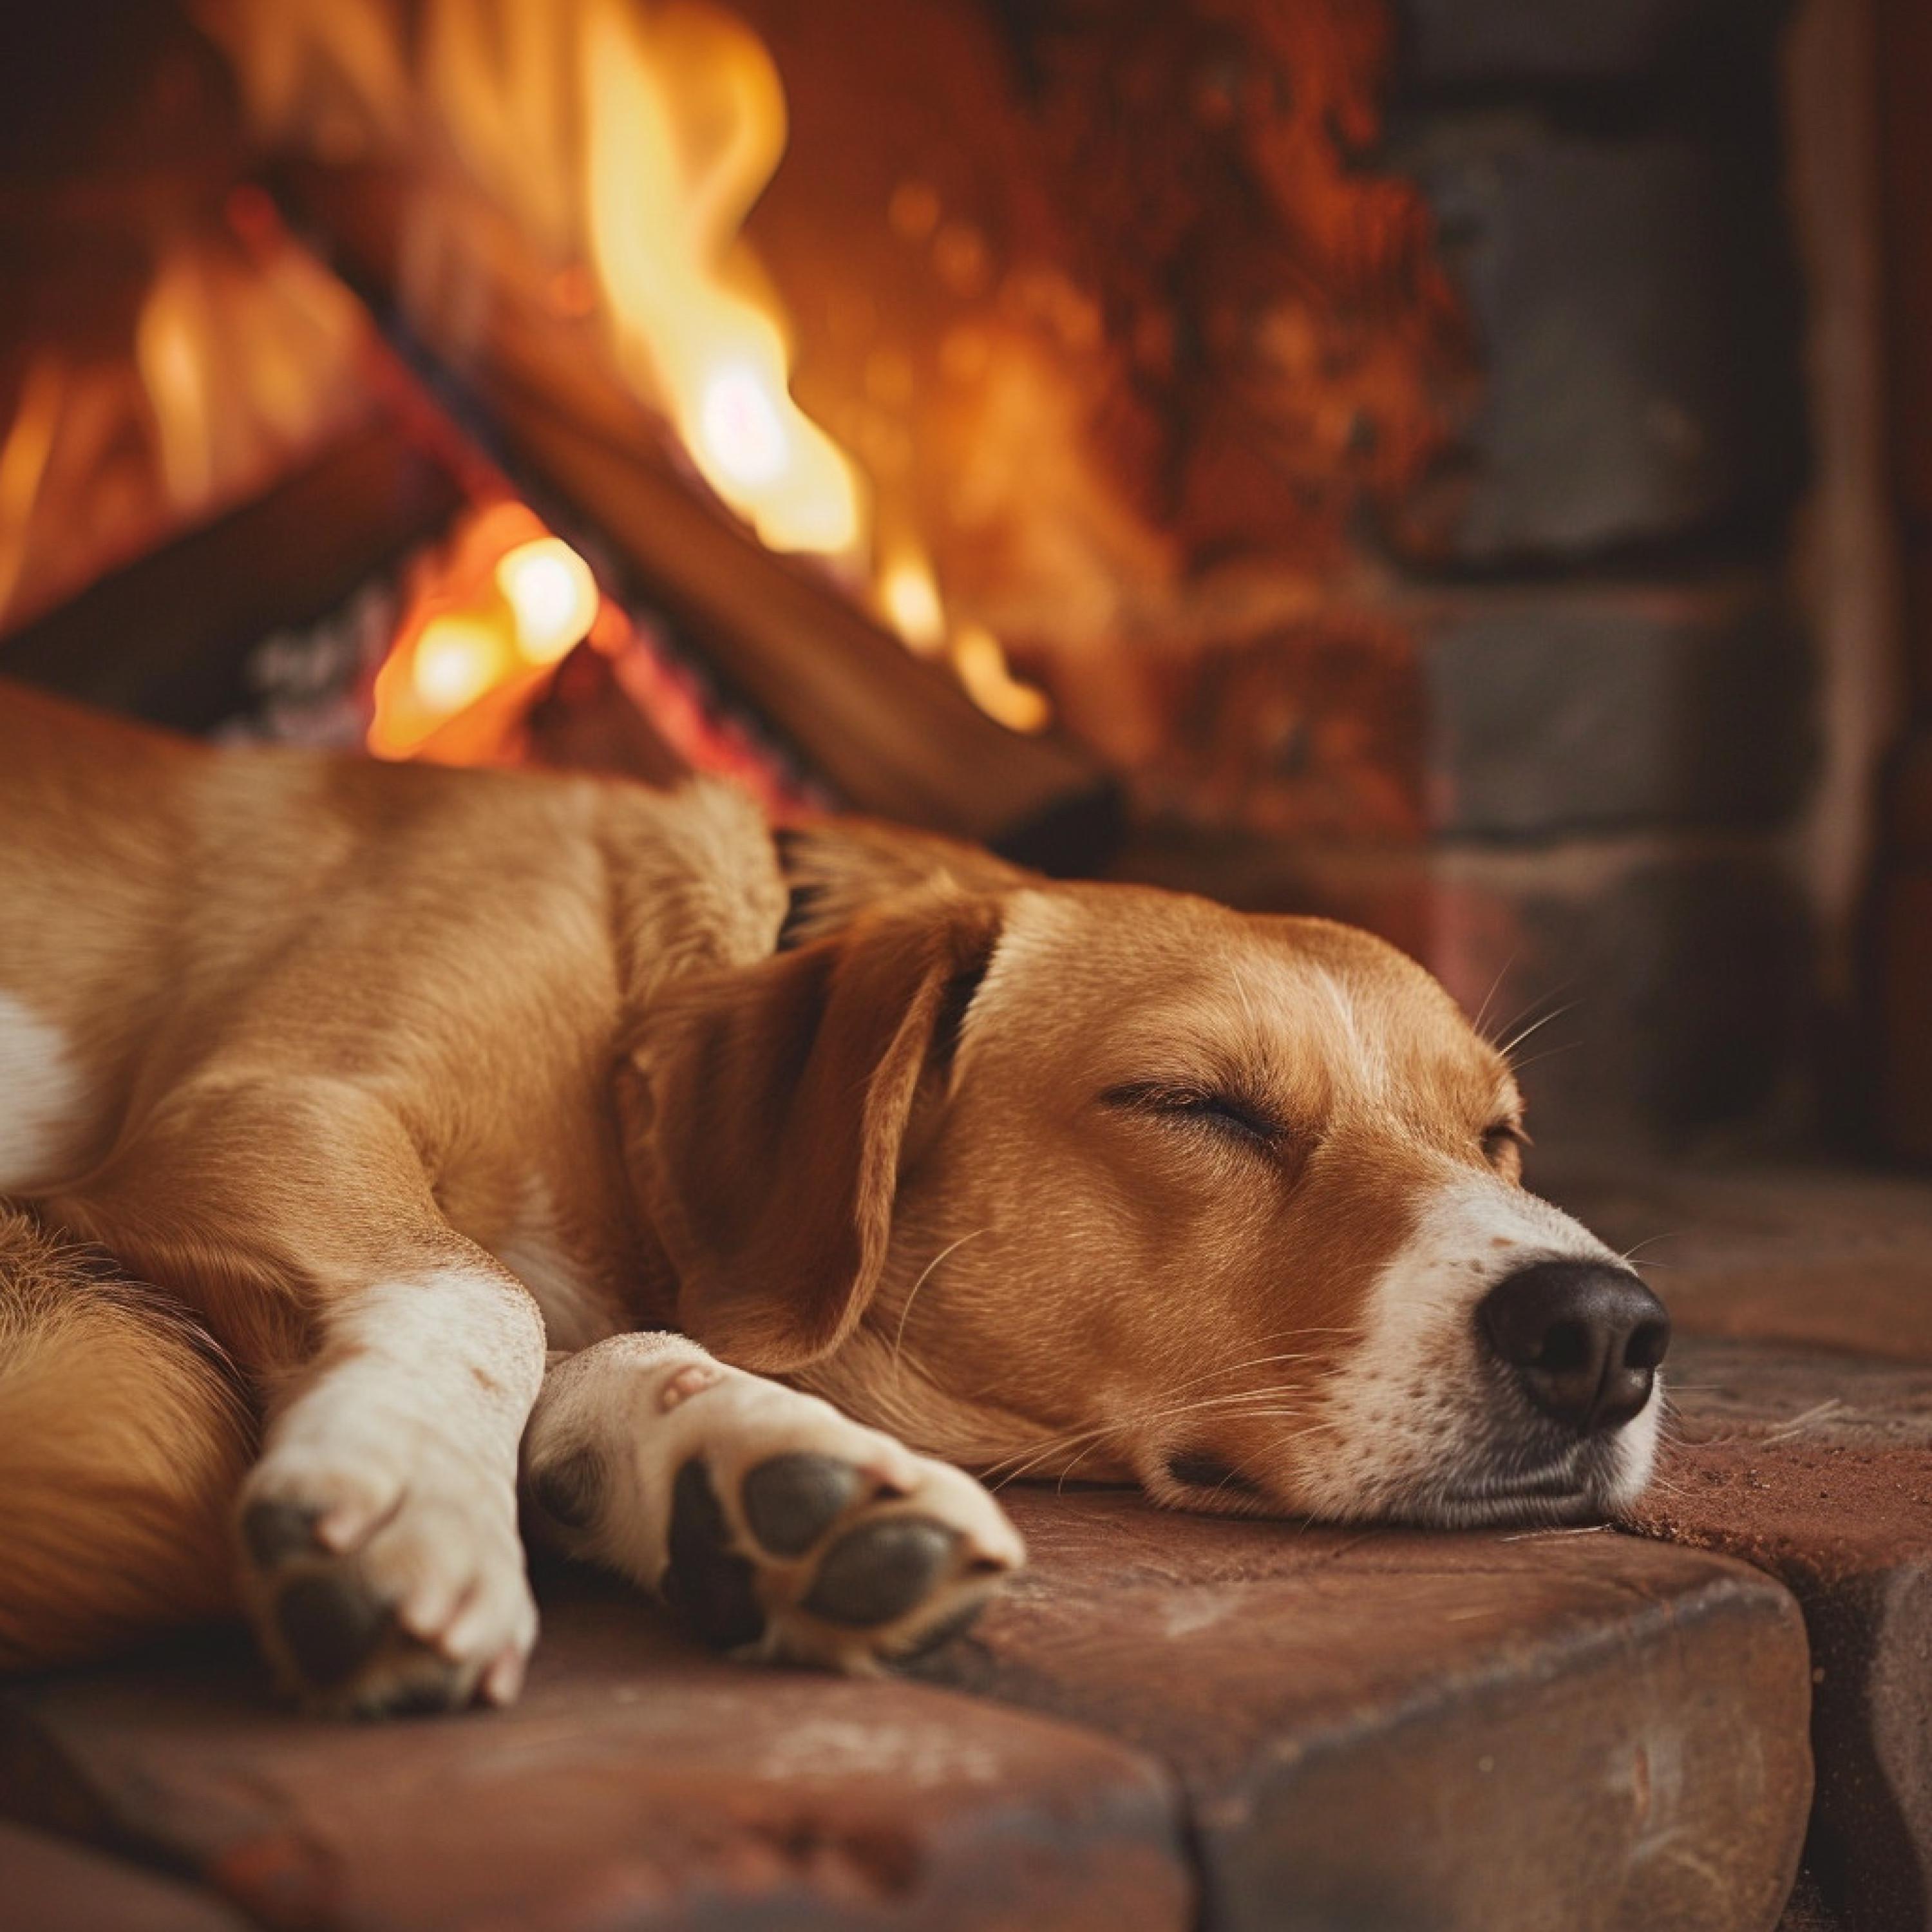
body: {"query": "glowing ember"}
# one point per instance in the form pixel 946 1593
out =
pixel 457 660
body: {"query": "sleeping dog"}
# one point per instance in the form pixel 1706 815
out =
pixel 477 1135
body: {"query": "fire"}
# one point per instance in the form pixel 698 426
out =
pixel 503 605
pixel 551 596
pixel 685 122
pixel 909 601
pixel 630 144
pixel 243 354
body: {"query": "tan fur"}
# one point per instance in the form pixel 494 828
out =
pixel 343 1033
pixel 122 1440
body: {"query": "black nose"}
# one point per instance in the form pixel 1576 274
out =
pixel 1583 1337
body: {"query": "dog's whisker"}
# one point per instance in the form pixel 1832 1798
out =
pixel 1649 1241
pixel 1508 1050
pixel 1554 991
pixel 1495 987
pixel 926 1275
pixel 1035 1452
pixel 1548 1053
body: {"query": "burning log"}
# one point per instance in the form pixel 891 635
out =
pixel 167 637
pixel 895 736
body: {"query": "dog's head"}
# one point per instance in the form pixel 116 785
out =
pixel 1102 1182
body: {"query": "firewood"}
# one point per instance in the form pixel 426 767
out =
pixel 167 637
pixel 893 736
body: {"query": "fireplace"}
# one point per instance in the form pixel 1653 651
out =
pixel 1340 457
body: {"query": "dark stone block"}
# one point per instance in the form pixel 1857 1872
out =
pixel 1635 309
pixel 1818 1469
pixel 1499 711
pixel 51 1885
pixel 1616 707
pixel 1462 43
pixel 1391 1732
pixel 639 1783
pixel 1671 976
pixel 1675 984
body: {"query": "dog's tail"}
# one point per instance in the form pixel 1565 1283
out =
pixel 122 1442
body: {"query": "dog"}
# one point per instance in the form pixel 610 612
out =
pixel 387 1143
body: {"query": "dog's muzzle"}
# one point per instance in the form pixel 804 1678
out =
pixel 1583 1339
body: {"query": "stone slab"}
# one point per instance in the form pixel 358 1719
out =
pixel 1636 310
pixel 1671 972
pixel 1817 1468
pixel 639 1784
pixel 49 1884
pixel 1488 43
pixel 1614 707
pixel 1828 1257
pixel 1388 1730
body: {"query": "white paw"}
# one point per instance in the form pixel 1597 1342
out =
pixel 775 1526
pixel 380 1586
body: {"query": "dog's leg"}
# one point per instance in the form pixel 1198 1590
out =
pixel 383 1563
pixel 396 1363
pixel 776 1527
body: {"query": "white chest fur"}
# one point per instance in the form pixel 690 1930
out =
pixel 575 1312
pixel 42 1100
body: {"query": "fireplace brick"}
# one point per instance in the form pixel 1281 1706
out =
pixel 1460 43
pixel 1513 711
pixel 1609 706
pixel 1676 969
pixel 1634 307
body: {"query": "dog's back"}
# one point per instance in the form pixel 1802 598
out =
pixel 171 913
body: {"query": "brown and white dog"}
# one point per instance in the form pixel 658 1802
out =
pixel 391 1079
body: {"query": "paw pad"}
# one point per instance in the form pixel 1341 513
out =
pixel 810 1557
pixel 707 1583
pixel 331 1625
pixel 277 1533
pixel 881 1570
pixel 791 1502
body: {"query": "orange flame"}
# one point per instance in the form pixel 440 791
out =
pixel 684 126
pixel 492 616
pixel 243 353
pixel 630 144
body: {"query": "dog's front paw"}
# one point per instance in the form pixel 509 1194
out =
pixel 773 1525
pixel 378 1591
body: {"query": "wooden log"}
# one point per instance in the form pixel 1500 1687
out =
pixel 893 736
pixel 167 637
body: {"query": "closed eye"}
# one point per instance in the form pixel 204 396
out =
pixel 1503 1145
pixel 1215 1108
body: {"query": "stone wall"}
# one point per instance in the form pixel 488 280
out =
pixel 1589 624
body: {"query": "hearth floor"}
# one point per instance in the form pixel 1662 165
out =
pixel 1171 1721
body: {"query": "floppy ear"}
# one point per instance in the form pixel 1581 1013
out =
pixel 840 869
pixel 766 1108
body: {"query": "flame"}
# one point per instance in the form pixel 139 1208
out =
pixel 24 457
pixel 909 599
pixel 552 597
pixel 504 604
pixel 683 128
pixel 629 144
pixel 243 354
